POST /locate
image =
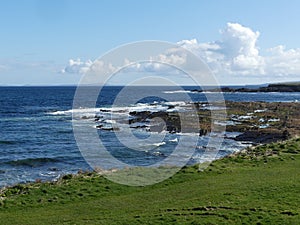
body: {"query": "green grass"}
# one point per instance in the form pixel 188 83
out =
pixel 258 186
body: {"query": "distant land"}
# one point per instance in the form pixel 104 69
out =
pixel 276 87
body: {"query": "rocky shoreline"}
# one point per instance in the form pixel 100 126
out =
pixel 258 122
pixel 262 122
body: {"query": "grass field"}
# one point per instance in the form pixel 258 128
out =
pixel 258 186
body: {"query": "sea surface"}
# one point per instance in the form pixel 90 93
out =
pixel 36 130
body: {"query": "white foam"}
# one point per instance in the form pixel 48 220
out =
pixel 214 107
pixel 232 134
pixel 245 117
pixel 158 144
pixel 110 121
pixel 121 110
pixel 57 113
pixel 147 107
pixel 225 123
pixel 70 111
pixel 260 110
pixel 178 103
pixel 188 134
pixel 264 126
pixel 174 140
pixel 273 120
pixel 177 91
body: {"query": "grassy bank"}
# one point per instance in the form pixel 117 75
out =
pixel 258 186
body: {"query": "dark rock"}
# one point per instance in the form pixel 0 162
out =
pixel 97 118
pixel 104 110
pixel 160 114
pixel 139 126
pixel 262 137
pixel 196 90
pixel 99 126
pixel 202 132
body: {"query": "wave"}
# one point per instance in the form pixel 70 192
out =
pixel 174 140
pixel 177 92
pixel 158 144
pixel 7 142
pixel 176 103
pixel 188 134
pixel 89 113
pixel 110 121
pixel 70 111
pixel 65 131
pixel 32 162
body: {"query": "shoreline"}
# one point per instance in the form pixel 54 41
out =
pixel 247 118
pixel 260 122
pixel 224 190
pixel 99 172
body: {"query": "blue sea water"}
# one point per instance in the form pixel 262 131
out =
pixel 36 133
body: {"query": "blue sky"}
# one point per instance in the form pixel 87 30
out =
pixel 40 37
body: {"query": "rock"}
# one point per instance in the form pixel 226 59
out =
pixel 107 128
pixel 139 126
pixel 99 126
pixel 262 137
pixel 202 132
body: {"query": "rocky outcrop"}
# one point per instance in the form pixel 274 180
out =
pixel 259 122
pixel 262 136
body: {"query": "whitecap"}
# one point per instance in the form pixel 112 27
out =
pixel 158 144
pixel 176 103
pixel 176 92
pixel 174 140
pixel 110 121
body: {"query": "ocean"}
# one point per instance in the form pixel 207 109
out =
pixel 37 140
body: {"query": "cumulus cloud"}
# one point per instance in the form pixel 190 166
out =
pixel 239 47
pixel 283 62
pixel 77 66
pixel 236 53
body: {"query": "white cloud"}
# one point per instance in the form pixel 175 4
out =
pixel 240 50
pixel 170 57
pixel 162 63
pixel 235 54
pixel 238 40
pixel 77 66
pixel 173 57
pixel 283 62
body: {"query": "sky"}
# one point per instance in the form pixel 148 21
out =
pixel 55 42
